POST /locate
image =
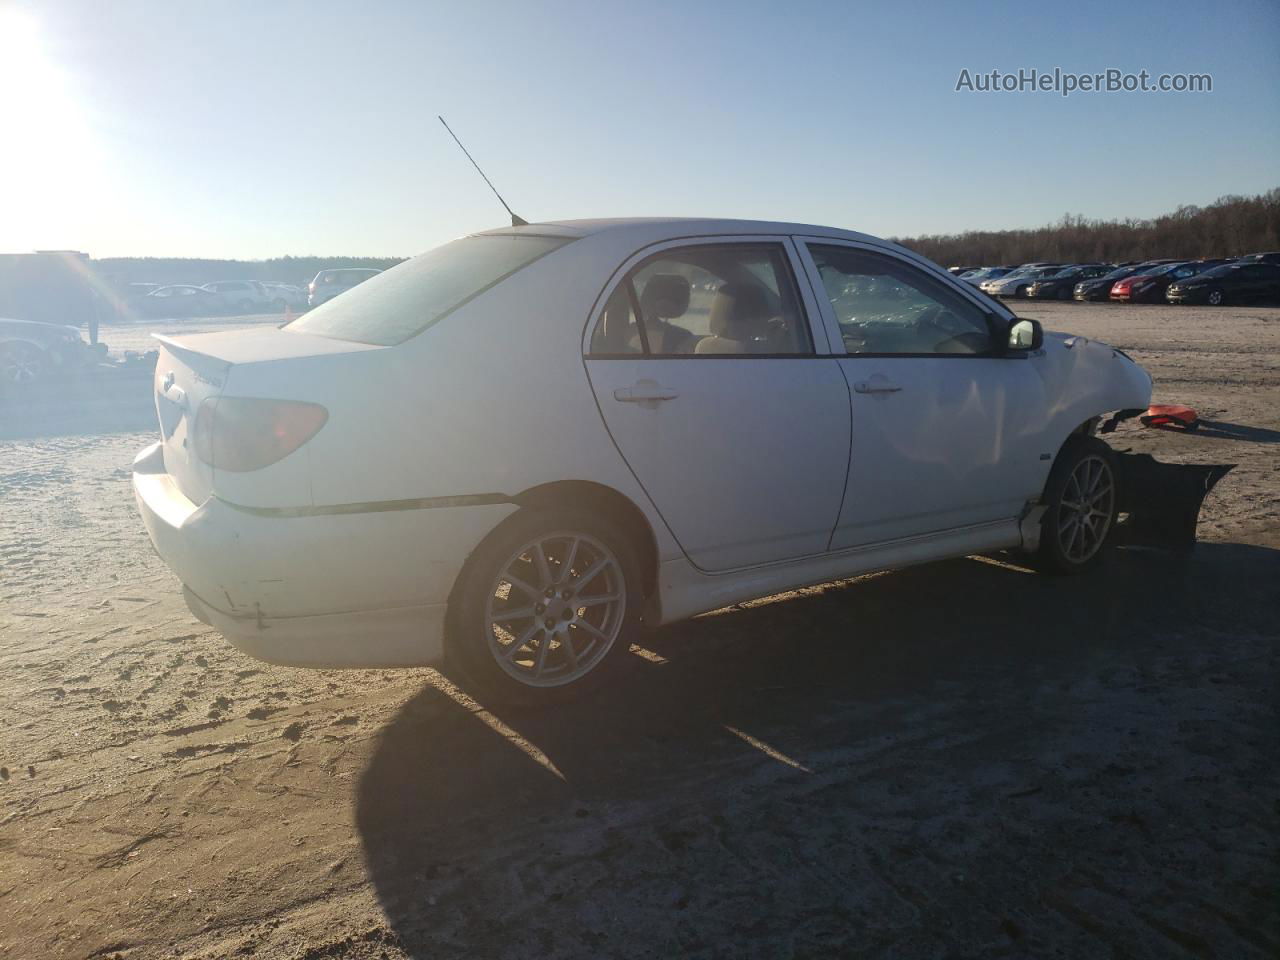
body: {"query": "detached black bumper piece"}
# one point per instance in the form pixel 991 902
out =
pixel 1163 500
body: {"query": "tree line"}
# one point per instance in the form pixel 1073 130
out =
pixel 298 270
pixel 1230 226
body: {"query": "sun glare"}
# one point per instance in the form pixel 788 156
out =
pixel 48 148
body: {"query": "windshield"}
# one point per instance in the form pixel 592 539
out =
pixel 1166 268
pixel 399 303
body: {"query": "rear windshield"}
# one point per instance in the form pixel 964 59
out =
pixel 403 301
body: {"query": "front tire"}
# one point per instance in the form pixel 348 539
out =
pixel 1217 298
pixel 547 607
pixel 1083 497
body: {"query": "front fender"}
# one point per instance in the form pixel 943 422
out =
pixel 1084 379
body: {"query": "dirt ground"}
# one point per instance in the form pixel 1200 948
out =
pixel 957 760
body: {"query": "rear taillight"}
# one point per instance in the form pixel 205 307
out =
pixel 242 433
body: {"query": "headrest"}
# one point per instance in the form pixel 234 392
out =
pixel 666 295
pixel 739 312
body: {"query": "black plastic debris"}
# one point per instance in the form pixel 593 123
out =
pixel 1163 500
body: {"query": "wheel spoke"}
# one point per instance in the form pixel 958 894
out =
pixel 566 568
pixel 593 571
pixel 566 644
pixel 544 570
pixel 544 647
pixel 520 641
pixel 597 600
pixel 591 629
pixel 520 613
pixel 520 584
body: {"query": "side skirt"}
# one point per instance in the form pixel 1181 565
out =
pixel 685 591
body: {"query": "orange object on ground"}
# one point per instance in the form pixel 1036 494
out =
pixel 1170 415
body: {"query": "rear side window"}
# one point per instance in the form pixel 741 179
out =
pixel 717 300
pixel 399 303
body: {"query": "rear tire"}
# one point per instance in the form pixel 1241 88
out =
pixel 1083 497
pixel 546 608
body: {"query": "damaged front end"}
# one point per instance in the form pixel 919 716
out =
pixel 1160 502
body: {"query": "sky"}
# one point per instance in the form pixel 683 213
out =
pixel 252 129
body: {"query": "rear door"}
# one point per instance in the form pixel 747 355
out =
pixel 724 399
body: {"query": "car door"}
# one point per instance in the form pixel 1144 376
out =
pixel 946 433
pixel 716 382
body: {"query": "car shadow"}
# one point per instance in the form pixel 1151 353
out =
pixel 472 815
pixel 1226 431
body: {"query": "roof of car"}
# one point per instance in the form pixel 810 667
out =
pixel 658 227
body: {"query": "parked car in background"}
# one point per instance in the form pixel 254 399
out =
pixel 982 274
pixel 1148 286
pixel 1058 286
pixel 285 295
pixel 31 350
pixel 1272 257
pixel 329 283
pixel 180 300
pixel 1016 282
pixel 529 557
pixel 1099 288
pixel 1238 282
pixel 240 296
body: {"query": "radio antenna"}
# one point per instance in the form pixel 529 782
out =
pixel 515 221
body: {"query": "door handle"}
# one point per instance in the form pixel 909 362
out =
pixel 646 391
pixel 876 386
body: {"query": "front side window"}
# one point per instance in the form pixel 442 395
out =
pixel 735 299
pixel 392 306
pixel 885 306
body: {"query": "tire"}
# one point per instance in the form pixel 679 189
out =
pixel 497 635
pixel 1084 473
pixel 1020 293
pixel 246 306
pixel 1065 294
pixel 1216 298
pixel 22 363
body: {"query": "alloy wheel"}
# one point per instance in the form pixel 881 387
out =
pixel 1215 298
pixel 1086 509
pixel 556 609
pixel 20 363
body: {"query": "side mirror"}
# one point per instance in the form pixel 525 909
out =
pixel 1024 335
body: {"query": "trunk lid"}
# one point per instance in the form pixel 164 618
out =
pixel 194 368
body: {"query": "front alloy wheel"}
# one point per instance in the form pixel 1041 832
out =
pixel 1083 499
pixel 1216 298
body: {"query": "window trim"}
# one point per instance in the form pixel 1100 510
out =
pixel 806 302
pixel 925 267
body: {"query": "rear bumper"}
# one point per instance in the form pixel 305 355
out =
pixel 361 589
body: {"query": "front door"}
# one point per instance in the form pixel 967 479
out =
pixel 704 366
pixel 946 434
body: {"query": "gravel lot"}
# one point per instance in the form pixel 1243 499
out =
pixel 958 760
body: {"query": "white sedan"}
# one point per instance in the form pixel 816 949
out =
pixel 515 451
